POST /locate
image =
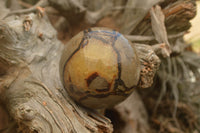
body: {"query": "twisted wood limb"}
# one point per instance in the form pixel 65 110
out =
pixel 35 96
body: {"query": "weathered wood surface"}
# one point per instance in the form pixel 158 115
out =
pixel 33 91
pixel 35 96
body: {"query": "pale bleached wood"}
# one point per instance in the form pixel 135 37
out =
pixel 35 96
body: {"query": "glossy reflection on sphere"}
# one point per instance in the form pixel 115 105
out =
pixel 99 68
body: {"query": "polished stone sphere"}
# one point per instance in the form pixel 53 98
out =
pixel 99 68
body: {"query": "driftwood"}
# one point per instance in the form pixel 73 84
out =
pixel 35 96
pixel 30 52
pixel 33 89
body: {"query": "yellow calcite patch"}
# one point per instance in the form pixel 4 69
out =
pixel 94 57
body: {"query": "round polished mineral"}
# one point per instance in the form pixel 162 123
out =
pixel 99 68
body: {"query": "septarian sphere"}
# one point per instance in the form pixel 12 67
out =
pixel 99 68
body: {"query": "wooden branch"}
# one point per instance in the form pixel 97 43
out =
pixel 35 96
pixel 174 12
pixel 158 26
pixel 149 62
pixel 41 3
pixel 140 38
pixel 90 13
pixel 130 20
